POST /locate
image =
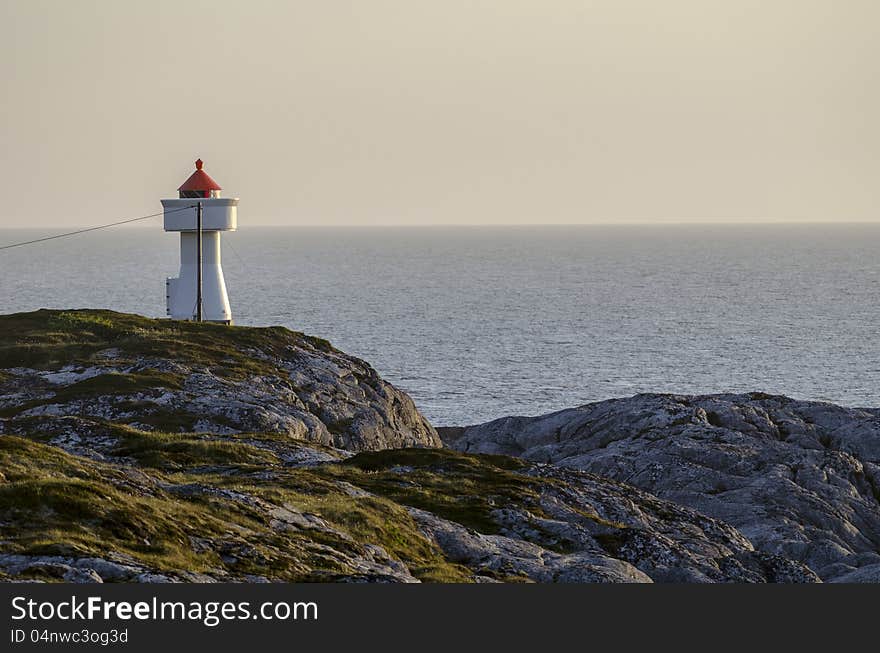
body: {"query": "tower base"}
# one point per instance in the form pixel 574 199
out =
pixel 181 292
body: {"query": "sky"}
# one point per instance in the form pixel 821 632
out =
pixel 413 112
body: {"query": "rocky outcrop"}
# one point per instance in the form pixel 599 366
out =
pixel 583 528
pixel 799 479
pixel 178 376
pixel 136 450
pixel 185 508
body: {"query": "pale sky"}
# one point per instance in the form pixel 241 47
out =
pixel 415 112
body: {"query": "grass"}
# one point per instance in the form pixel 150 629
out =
pixel 373 519
pixel 102 385
pixel 85 321
pixel 69 505
pixel 51 339
pixel 48 339
pixel 54 503
pixel 119 384
pixel 180 451
pixel 171 421
pixel 462 488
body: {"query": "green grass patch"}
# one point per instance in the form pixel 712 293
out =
pixel 458 487
pixel 47 339
pixel 102 385
pixel 75 503
pixel 118 384
pixel 160 419
pixel 376 520
pixel 88 322
pixel 54 503
pixel 177 451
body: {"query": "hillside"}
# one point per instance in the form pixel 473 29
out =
pixel 141 450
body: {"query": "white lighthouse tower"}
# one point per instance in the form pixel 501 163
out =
pixel 199 293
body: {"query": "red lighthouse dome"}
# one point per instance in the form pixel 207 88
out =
pixel 199 184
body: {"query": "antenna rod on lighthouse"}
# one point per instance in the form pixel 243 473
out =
pixel 199 256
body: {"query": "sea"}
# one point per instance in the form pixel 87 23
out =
pixel 477 323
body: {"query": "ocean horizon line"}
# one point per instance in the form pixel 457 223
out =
pixel 497 225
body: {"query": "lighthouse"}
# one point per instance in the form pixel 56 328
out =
pixel 199 214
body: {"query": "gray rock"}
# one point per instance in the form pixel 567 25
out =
pixel 799 479
pixel 591 529
pixel 507 557
pixel 71 570
pixel 869 574
pixel 304 390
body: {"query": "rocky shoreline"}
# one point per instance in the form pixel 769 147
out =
pixel 799 479
pixel 137 450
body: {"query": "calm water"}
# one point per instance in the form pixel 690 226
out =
pixel 476 323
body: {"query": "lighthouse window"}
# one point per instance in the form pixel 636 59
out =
pixel 193 193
